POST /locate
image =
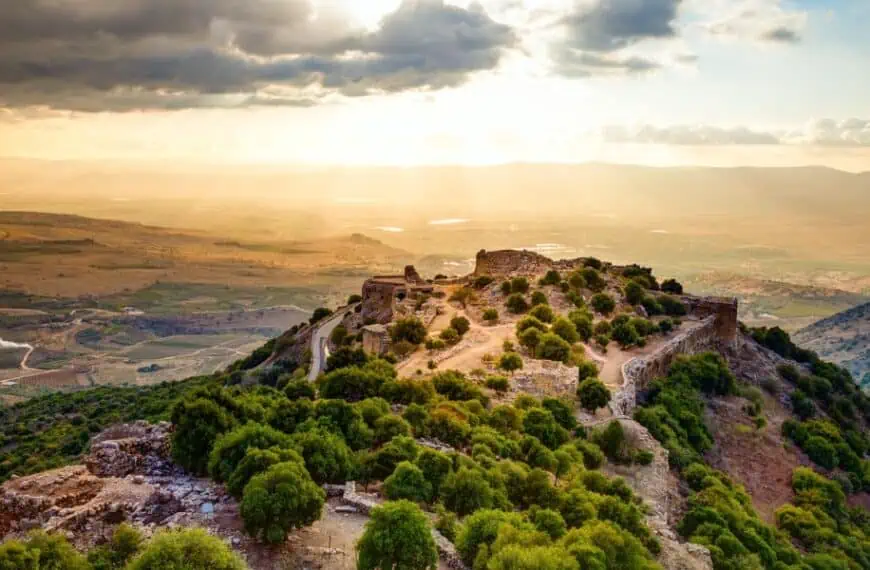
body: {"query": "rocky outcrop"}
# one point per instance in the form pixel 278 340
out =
pixel 128 449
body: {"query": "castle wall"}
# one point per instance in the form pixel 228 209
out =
pixel 638 372
pixel 505 263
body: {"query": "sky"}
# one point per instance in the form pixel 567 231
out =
pixel 408 82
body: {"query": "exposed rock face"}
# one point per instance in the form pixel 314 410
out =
pixel 659 489
pixel 510 262
pixel 127 449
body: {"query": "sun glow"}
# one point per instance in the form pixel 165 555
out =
pixel 367 13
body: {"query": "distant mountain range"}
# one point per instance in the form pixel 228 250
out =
pixel 843 338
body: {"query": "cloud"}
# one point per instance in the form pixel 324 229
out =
pixel 697 135
pixel 822 133
pixel 600 38
pixel 90 55
pixel 756 20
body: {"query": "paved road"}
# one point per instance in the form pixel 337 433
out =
pixel 319 350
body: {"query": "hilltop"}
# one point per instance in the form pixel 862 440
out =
pixel 844 339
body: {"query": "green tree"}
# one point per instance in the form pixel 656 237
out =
pixel 466 491
pixel 280 500
pixel 319 314
pixel 15 555
pixel 539 298
pixel 346 356
pixel 672 286
pixel 593 394
pixel 460 325
pixel 435 467
pixel 409 329
pixel 520 285
pixel 593 279
pixel 603 303
pixel 407 482
pixel 480 530
pixel 510 362
pixel 517 304
pixel 530 338
pixel 300 389
pixel 490 315
pixel 587 369
pixel 576 280
pixel 540 423
pixel 544 313
pixel 553 347
pixel 188 549
pixel 550 522
pixel 126 542
pixel 449 335
pixel 327 457
pixel 389 426
pixel 198 424
pixel 397 537
pixel 634 292
pixel 565 329
pixel 230 448
pixel 258 461
pixel 625 334
pixel 551 278
pixel 53 553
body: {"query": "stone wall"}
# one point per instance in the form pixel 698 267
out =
pixel 376 339
pixel 724 309
pixel 510 262
pixel 638 372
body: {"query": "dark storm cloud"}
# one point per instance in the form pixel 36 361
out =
pixel 595 34
pixel 167 54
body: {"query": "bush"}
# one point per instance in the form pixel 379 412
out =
pixel 666 326
pixel 551 278
pixel 490 315
pixel 188 549
pixel 510 362
pixel 466 491
pixel 397 536
pixel 543 313
pixel 198 424
pixel 611 440
pixel 553 347
pixel 319 314
pixel 230 448
pixel 407 482
pixel 506 288
pixel 480 530
pixel 353 383
pixel 389 426
pixel 550 523
pixel 482 282
pixel 671 306
pixel 539 298
pixel 821 451
pixel 540 423
pixel 455 386
pixel 634 292
pixel 593 279
pixel 603 303
pixel 531 322
pixel 126 543
pixel 449 336
pixel 519 285
pixel 435 344
pixel 346 356
pixel 643 457
pixel 625 334
pixel 460 325
pixel 498 383
pixel 517 304
pixel 300 389
pixel 582 323
pixel 280 500
pixel 593 394
pixel 353 299
pixel 258 461
pixel 672 286
pixel 562 410
pixel 409 329
pixel 327 457
pixel 566 329
pixel 530 338
pixel 586 369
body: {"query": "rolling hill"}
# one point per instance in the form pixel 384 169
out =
pixel 843 339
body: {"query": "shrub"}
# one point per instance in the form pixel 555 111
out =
pixel 551 278
pixel 397 536
pixel 230 448
pixel 586 369
pixel 510 362
pixel 625 334
pixel 651 306
pixel 550 523
pixel 346 356
pixel 319 314
pixel 643 457
pixel 602 340
pixel 126 542
pixel 531 322
pixel 498 383
pixel 506 288
pixel 460 325
pixel 593 279
pixel 519 285
pixel 482 282
pixel 327 457
pixel 565 329
pixel 593 394
pixel 517 304
pixel 593 457
pixel 300 389
pixel 353 383
pixel 543 313
pixel 490 315
pixel 463 296
pixel 666 326
pixel 280 500
pixel 435 344
pixel 672 286
pixel 562 410
pixel 435 467
pixel 539 298
pixel 355 298
pixel 466 491
pixel 389 426
pixel 634 292
pixel 449 336
pixel 582 323
pixel 789 373
pixel 672 306
pixel 409 329
pixel 540 423
pixel 188 549
pixel 198 424
pixel 455 386
pixel 530 338
pixel 611 440
pixel 407 482
pixel 258 461
pixel 603 303
pixel 399 449
pixel 553 347
pixel 821 451
pixel 480 530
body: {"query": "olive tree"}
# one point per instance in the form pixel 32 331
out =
pixel 280 500
pixel 397 536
